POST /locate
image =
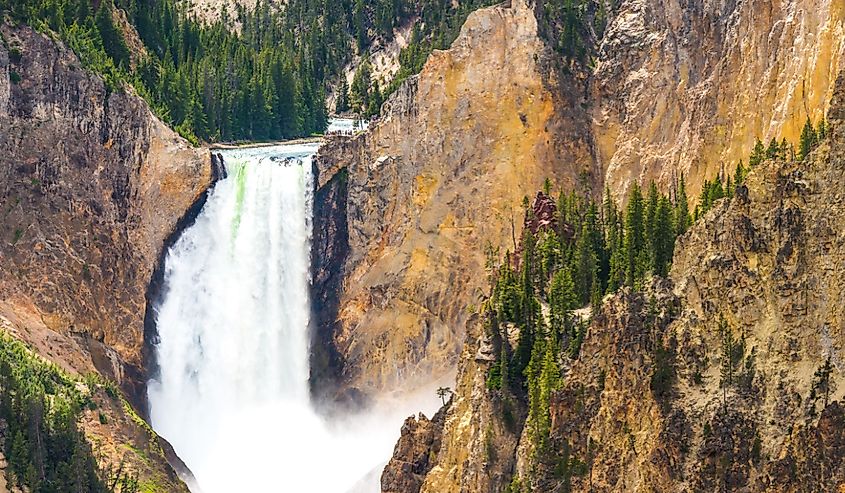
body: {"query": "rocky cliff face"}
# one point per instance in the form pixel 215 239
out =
pixel 648 404
pixel 91 187
pixel 673 88
pixel 414 455
pixel 686 87
pixel 433 183
pixel 329 251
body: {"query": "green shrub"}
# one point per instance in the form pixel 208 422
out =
pixel 494 377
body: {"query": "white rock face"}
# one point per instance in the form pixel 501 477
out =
pixel 687 87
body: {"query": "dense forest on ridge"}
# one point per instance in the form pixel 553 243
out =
pixel 252 74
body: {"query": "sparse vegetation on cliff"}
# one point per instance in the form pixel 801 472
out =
pixel 572 253
pixel 439 24
pixel 40 407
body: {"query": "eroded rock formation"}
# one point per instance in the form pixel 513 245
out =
pixel 673 89
pixel 433 183
pixel 91 187
pixel 686 87
pixel 645 406
pixel 414 455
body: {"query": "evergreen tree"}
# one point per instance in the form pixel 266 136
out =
pixel 648 225
pixel 342 101
pixel 614 241
pixel 529 308
pixel 359 96
pixel 634 237
pixel 821 133
pixel 682 216
pixel 757 154
pixel 596 238
pixel 112 38
pixel 585 265
pixel 808 139
pixel 786 150
pixel 664 237
pixel 374 105
pixel 359 16
pixel 740 173
pixel 773 150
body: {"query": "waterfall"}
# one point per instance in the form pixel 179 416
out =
pixel 232 394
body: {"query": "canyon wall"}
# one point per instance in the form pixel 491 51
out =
pixel 686 87
pixel 433 183
pixel 92 185
pixel 671 88
pixel 647 405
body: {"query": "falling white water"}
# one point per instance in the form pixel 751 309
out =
pixel 232 394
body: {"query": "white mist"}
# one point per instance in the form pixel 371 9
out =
pixel 232 394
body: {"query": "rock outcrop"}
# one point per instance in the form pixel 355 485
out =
pixel 92 187
pixel 672 88
pixel 686 87
pixel 648 404
pixel 414 455
pixel 434 182
pixel 481 427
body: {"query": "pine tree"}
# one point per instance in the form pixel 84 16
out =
pixel 562 300
pixel 634 236
pixel 648 225
pixel 614 244
pixel 821 133
pixel 342 101
pixel 585 265
pixel 717 191
pixel 739 174
pixel 664 237
pixel 549 382
pixel 359 14
pixel 359 97
pixel 113 41
pixel 807 140
pixel 529 307
pixel 757 154
pixel 374 105
pixel 773 150
pixel 595 234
